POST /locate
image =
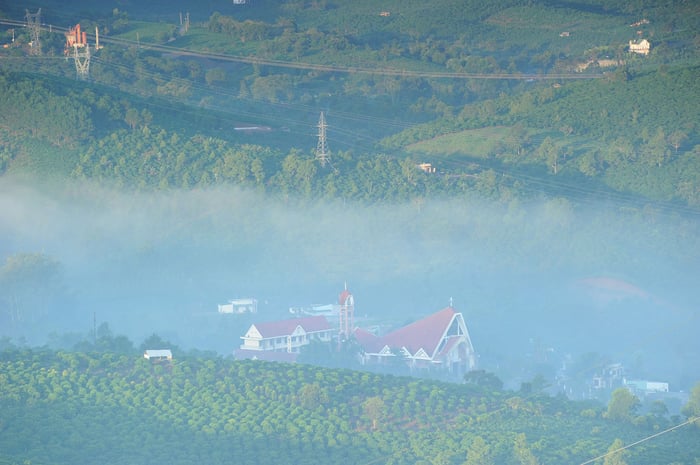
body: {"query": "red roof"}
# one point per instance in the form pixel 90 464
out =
pixel 343 297
pixel 310 324
pixel 423 334
pixel 368 341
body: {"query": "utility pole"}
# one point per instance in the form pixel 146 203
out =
pixel 322 153
pixel 34 25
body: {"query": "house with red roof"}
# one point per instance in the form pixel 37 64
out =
pixel 438 341
pixel 283 340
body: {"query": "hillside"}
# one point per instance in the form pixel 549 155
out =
pixel 63 408
pixel 513 157
pixel 385 79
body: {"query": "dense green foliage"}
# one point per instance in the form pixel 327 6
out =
pixel 632 132
pixel 68 407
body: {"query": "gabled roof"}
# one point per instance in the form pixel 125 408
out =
pixel 423 334
pixel 368 341
pixel 309 324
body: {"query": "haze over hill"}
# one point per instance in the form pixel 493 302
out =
pixel 554 192
pixel 161 262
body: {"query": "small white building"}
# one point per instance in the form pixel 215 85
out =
pixel 158 355
pixel 644 387
pixel 239 306
pixel 328 310
pixel 642 47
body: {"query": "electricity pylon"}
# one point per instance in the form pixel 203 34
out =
pixel 34 25
pixel 322 153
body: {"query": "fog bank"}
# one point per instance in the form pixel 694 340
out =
pixel 160 262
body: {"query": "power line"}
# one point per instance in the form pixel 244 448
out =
pixel 535 185
pixel 336 68
pixel 668 430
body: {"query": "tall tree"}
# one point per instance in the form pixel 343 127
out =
pixel 479 453
pixel 522 452
pixel 692 408
pixel 622 405
pixel 613 457
pixel 374 409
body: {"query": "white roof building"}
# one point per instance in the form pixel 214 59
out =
pixel 158 354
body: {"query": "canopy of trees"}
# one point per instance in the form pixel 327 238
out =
pixel 69 407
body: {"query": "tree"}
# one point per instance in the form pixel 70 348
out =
pixel 622 405
pixel 613 457
pixel 484 379
pixel 132 118
pixel 156 342
pixel 311 396
pixel 658 409
pixel 692 408
pixel 375 410
pixel 550 153
pixel 522 452
pixel 479 453
pixel 677 138
pixel 654 151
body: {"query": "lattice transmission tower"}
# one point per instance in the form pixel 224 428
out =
pixel 322 153
pixel 34 26
pixel 78 48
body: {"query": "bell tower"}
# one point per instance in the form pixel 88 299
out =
pixel 346 314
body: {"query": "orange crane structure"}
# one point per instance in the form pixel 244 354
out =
pixel 78 48
pixel 75 38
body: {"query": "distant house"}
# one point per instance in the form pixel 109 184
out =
pixel 327 310
pixel 158 355
pixel 610 377
pixel 239 306
pixel 643 387
pixel 639 23
pixel 270 339
pixel 642 47
pixel 440 340
pixel 426 167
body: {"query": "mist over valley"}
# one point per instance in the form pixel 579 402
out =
pixel 576 280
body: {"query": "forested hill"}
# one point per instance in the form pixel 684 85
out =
pixel 401 85
pixel 69 407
